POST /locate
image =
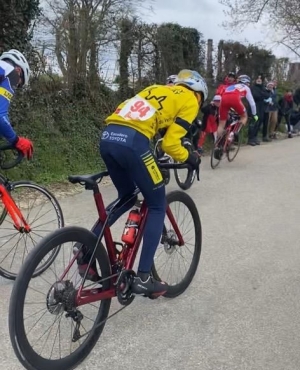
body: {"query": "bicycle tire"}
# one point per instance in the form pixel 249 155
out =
pixel 230 159
pixel 60 223
pixel 4 212
pixel 176 290
pixel 190 178
pixel 23 350
pixel 212 158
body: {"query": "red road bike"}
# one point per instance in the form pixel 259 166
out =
pixel 228 143
pixel 22 219
pixel 63 297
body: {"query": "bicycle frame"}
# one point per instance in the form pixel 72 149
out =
pixel 19 221
pixel 234 127
pixel 128 254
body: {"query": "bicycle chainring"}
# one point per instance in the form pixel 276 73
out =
pixel 123 287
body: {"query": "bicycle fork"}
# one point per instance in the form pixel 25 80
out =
pixel 19 221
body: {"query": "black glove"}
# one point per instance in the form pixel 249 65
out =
pixel 194 161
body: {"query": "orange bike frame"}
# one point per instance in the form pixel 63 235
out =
pixel 13 210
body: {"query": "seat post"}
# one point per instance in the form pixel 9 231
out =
pixel 94 187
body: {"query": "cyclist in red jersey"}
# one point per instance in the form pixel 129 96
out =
pixel 229 80
pixel 232 98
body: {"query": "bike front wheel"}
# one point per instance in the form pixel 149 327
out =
pixel 42 212
pixel 168 253
pixel 183 177
pixel 43 309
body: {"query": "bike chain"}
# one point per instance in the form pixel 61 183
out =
pixel 121 276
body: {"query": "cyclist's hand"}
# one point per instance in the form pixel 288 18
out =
pixel 25 146
pixel 194 161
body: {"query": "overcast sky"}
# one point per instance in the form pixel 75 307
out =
pixel 207 16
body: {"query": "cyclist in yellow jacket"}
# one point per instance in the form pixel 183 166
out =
pixel 125 149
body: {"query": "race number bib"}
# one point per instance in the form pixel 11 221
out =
pixel 137 109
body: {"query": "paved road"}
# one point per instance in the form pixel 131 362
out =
pixel 242 310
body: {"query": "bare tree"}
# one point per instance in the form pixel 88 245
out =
pixel 280 68
pixel 282 16
pixel 82 29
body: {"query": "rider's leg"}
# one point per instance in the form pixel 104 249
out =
pixel 112 154
pixel 148 178
pixel 125 186
pixel 137 165
pixel 244 118
pixel 221 128
pixel 224 109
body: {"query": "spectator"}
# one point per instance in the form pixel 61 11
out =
pixel 266 117
pixel 209 120
pixel 295 121
pixel 273 110
pixel 286 104
pixel 230 79
pixel 297 97
pixel 260 95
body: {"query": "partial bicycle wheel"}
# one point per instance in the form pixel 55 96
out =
pixel 233 150
pixel 47 329
pixel 184 177
pixel 3 212
pixel 168 254
pixel 42 212
pixel 216 156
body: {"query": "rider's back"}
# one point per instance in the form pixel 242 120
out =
pixel 155 108
pixel 238 89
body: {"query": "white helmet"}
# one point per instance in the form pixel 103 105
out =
pixel 18 58
pixel 193 80
pixel 171 79
pixel 244 79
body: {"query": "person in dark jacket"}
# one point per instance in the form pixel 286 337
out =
pixel 260 95
pixel 286 104
pixel 273 111
pixel 268 109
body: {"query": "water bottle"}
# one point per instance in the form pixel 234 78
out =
pixel 231 136
pixel 131 227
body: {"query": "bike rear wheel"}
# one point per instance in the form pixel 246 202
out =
pixel 42 212
pixel 54 301
pixel 217 152
pixel 182 201
pixel 231 154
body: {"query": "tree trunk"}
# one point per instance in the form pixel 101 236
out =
pixel 209 67
pixel 220 61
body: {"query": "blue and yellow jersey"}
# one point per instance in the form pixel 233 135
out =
pixel 6 95
pixel 158 107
